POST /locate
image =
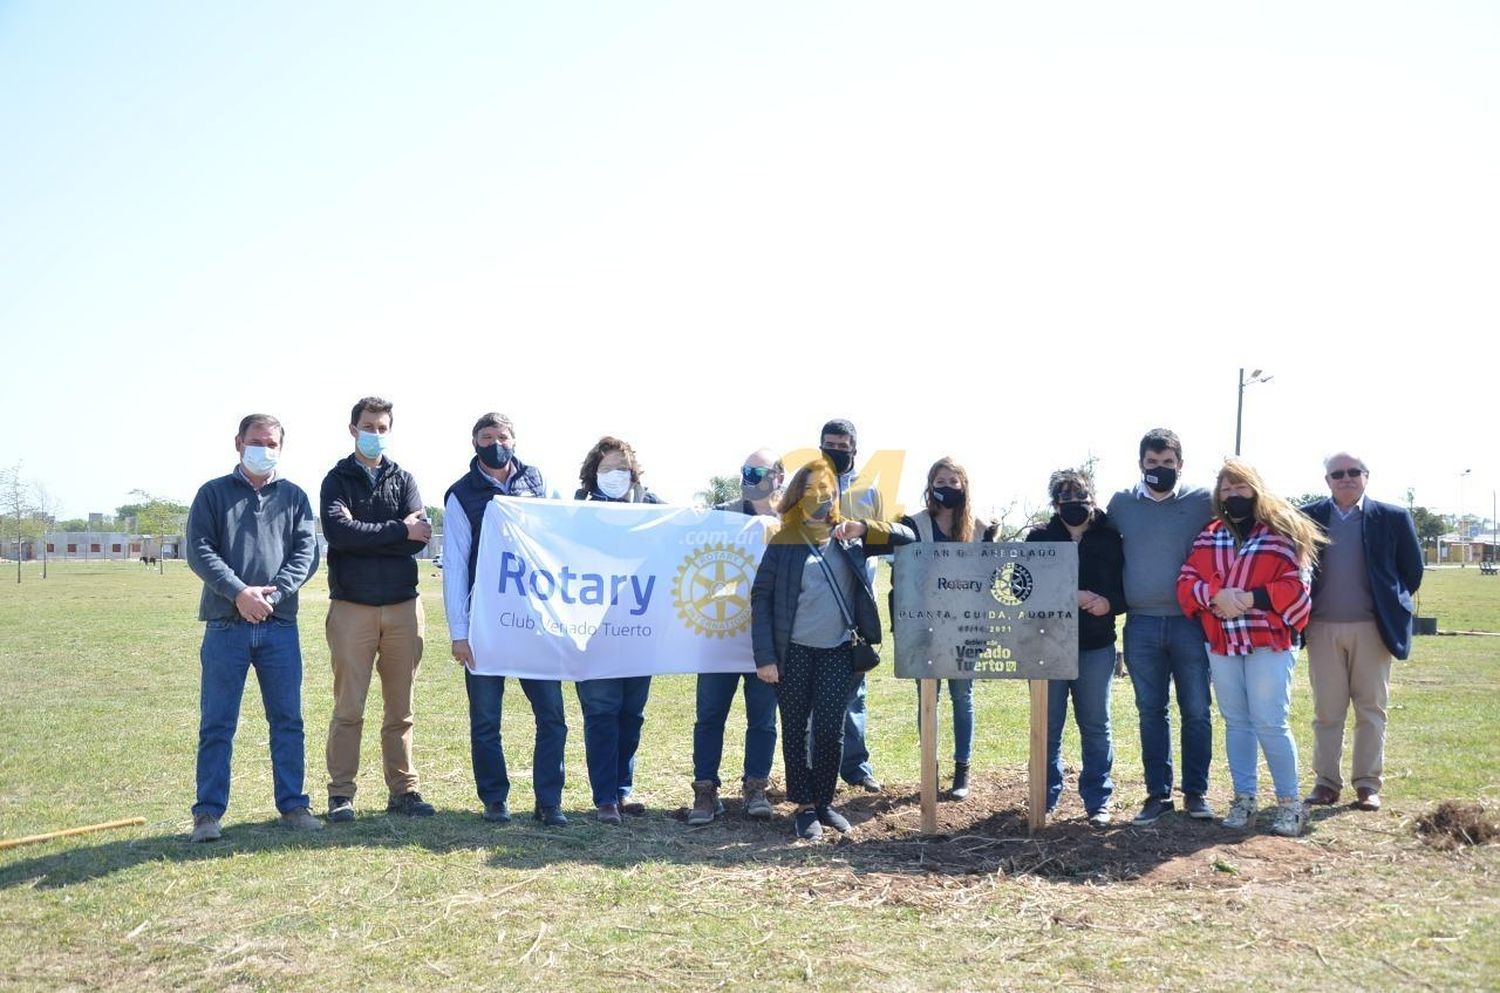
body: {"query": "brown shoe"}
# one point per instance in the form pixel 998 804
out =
pixel 1368 799
pixel 706 804
pixel 634 808
pixel 757 804
pixel 1322 796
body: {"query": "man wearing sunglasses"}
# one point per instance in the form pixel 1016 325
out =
pixel 1361 618
pixel 760 482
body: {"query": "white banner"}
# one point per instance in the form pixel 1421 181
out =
pixel 570 589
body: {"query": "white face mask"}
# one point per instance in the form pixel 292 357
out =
pixel 260 460
pixel 614 483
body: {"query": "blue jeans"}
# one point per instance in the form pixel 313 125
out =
pixel 855 764
pixel 1090 693
pixel 613 712
pixel 229 649
pixel 486 696
pixel 1255 693
pixel 962 693
pixel 715 696
pixel 1161 651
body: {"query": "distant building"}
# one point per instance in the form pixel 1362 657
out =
pixel 97 545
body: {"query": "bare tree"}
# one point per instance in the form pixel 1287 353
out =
pixel 21 519
pixel 46 509
pixel 1015 518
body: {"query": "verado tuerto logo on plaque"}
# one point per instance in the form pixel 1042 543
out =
pixel 1007 610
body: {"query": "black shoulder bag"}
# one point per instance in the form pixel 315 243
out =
pixel 865 655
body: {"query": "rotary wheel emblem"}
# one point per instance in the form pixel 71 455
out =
pixel 1011 584
pixel 712 590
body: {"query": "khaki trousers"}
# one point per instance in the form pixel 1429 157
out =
pixel 362 639
pixel 1348 663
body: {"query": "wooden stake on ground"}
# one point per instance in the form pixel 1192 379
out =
pixel 1036 813
pixel 51 835
pixel 927 715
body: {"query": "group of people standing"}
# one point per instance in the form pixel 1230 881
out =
pixel 1216 587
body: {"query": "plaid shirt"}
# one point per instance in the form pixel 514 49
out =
pixel 1265 560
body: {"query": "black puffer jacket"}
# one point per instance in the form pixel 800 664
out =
pixel 1101 570
pixel 370 558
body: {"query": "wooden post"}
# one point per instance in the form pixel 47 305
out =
pixel 1036 813
pixel 927 716
pixel 70 832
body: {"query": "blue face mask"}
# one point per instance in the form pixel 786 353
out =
pixel 371 445
pixel 259 460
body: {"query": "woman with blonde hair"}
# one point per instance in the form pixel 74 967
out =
pixel 1246 579
pixel 809 603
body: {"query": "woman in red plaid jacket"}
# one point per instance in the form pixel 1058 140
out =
pixel 1246 580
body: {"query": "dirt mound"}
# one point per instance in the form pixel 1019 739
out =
pixel 987 834
pixel 1456 824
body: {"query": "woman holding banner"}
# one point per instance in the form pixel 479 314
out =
pixel 810 607
pixel 614 710
pixel 1245 579
pixel 947 517
pixel 1101 596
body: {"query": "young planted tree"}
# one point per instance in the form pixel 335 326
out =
pixel 158 517
pixel 20 519
pixel 46 510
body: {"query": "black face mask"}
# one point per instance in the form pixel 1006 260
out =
pixel 1161 478
pixel 1074 512
pixel 1239 508
pixel 841 460
pixel 495 456
pixel 948 496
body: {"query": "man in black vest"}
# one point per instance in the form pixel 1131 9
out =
pixel 375 525
pixel 496 471
pixel 1361 619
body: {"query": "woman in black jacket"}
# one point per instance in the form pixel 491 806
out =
pixel 1101 596
pixel 810 582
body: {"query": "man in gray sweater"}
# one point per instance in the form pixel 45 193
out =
pixel 1158 520
pixel 251 538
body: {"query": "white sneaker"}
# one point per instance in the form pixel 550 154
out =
pixel 1241 812
pixel 1291 818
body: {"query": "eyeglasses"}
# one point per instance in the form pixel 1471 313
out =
pixel 1351 473
pixel 754 475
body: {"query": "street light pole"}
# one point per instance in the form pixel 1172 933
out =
pixel 1239 407
pixel 1463 538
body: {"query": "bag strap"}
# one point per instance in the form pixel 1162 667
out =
pixel 838 594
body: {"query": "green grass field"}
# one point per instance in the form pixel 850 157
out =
pixel 98 717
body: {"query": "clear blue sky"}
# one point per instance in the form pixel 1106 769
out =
pixel 1016 233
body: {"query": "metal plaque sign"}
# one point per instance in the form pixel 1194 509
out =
pixel 1007 610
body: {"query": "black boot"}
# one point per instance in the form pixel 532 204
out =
pixel 960 780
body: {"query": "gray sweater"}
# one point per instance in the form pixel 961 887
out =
pixel 1344 593
pixel 238 536
pixel 1158 536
